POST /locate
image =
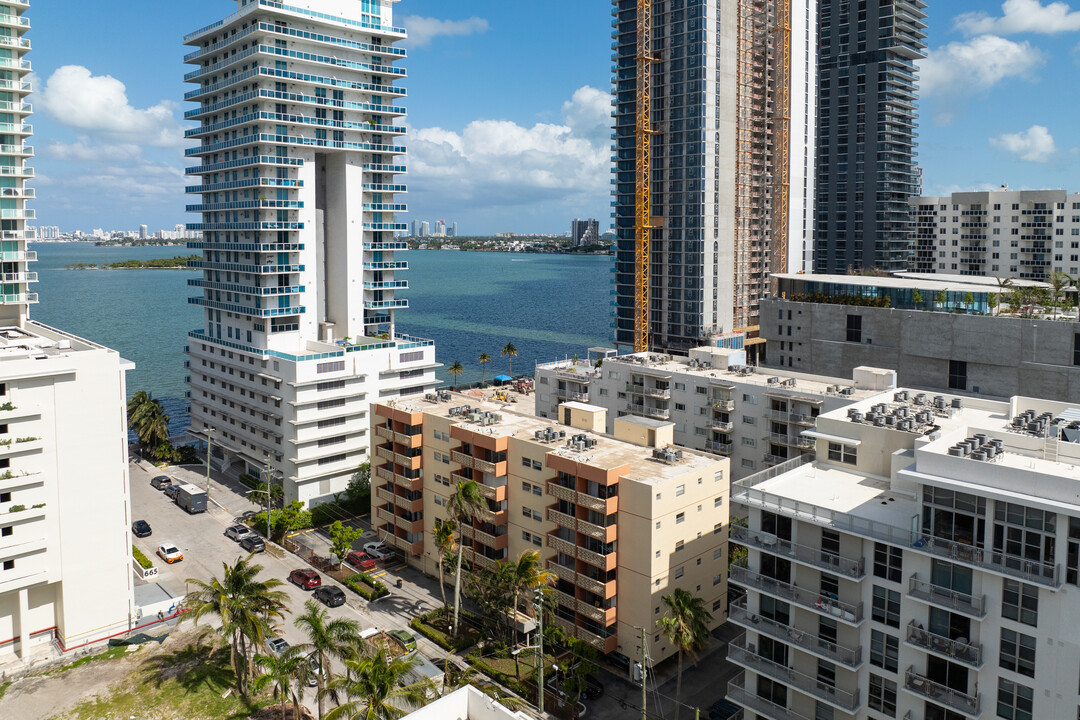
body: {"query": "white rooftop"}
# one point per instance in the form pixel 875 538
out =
pixel 466 703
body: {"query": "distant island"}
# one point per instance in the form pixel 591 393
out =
pixel 173 263
pixel 141 242
pixel 515 243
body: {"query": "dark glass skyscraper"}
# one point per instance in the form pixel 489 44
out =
pixel 866 132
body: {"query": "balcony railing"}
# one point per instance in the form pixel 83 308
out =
pixel 848 567
pixel 745 491
pixel 792 441
pixel 851 657
pixel 722 425
pixel 724 405
pixel 946 598
pixel 738 693
pixel 718 447
pixel 852 614
pixel 740 654
pixel 661 413
pixel 964 652
pixel 650 391
pixel 941 694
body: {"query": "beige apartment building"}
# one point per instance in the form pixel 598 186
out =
pixel 621 519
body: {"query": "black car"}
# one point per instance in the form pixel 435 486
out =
pixel 141 528
pixel 330 596
pixel 723 709
pixel 253 544
pixel 593 688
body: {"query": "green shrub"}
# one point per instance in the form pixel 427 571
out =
pixel 368 588
pixel 465 639
pixel 140 558
pixel 16 508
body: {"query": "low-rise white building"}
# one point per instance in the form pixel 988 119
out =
pixel 465 703
pixel 925 565
pixel 717 403
pixel 65 539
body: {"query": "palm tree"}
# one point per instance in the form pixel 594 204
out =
pixel 527 574
pixel 685 625
pixel 1059 281
pixel 280 673
pixel 484 359
pixel 246 607
pixel 444 545
pixel 136 401
pixel 510 352
pixel 455 369
pixel 327 638
pixel 374 684
pixel 462 506
pixel 148 419
pixel 1003 284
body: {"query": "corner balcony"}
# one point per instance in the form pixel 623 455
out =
pixel 850 657
pixel 974 607
pixel 808 599
pixel 851 568
pixel 740 654
pixel 957 650
pixel 653 412
pixel 737 693
pixel 941 694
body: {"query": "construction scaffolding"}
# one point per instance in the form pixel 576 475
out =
pixel 643 208
pixel 782 137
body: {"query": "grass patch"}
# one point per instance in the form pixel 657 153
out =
pixel 3 688
pixel 113 653
pixel 434 627
pixel 183 684
pixel 367 587
pixel 501 670
pixel 141 558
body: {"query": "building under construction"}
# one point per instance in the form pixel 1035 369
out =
pixel 713 162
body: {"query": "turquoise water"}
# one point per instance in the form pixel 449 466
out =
pixel 548 306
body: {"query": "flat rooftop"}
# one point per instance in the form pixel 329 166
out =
pixel 908 281
pixel 34 340
pixel 607 453
pixel 972 411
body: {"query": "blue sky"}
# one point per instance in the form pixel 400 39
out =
pixel 508 107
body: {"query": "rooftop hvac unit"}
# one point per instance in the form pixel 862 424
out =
pixel 955 451
pixel 901 412
pixel 879 421
pixel 900 396
pixel 852 412
pixel 978 455
pixel 678 453
pixel 958 404
pixel 562 433
pixel 939 402
pixel 430 396
pixel 920 399
pixel 998 444
pixel 990 451
pixel 790 382
pixel 773 380
pixel 848 391
pixel 475 417
pixel 857 417
pixel 538 434
pixel 890 420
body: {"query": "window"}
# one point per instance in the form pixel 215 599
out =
pixel 679 573
pixel 679 546
pixel 842 453
pixel 749 420
pixel 888 562
pixel 718 476
pixel 7 531
pixel 1026 534
pixel 680 490
pixel 411 356
pixel 9 564
pixel 718 553
pixel 330 385
pixel 882 695
pixel 1014 702
pixel 884 650
pixel 680 518
pixel 957 375
pixel 717 528
pixel 886 607
pixel 5 497
pixel 1020 602
pixel 717 502
pixel 1017 652
pixel 533 514
pixel 717 579
pixel 854 328
pixel 330 367
pixel 1076 349
pixel 526 462
pixel 330 404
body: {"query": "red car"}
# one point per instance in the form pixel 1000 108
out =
pixel 305 579
pixel 360 560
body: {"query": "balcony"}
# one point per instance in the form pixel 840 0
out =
pixel 718 447
pixel 655 392
pixel 738 693
pixel 850 657
pixel 495 493
pixel 559 492
pixel 967 653
pixel 385 454
pixel 722 425
pixel 482 561
pixel 604 616
pixel 941 694
pixel 945 598
pixel 604 562
pixel 484 466
pixel 784 416
pixel 724 405
pixel 461 458
pixel 1029 570
pixel 740 654
pixel 653 412
pixel 385 433
pixel 563 394
pixel 792 441
pixel 822 604
pixel 413 548
pixel 494 517
pixel 606 506
pixel 598 532
pixel 814 557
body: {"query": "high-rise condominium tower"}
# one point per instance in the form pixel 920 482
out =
pixel 866 132
pixel 298 117
pixel 65 547
pixel 731 104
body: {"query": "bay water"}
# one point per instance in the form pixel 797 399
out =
pixel 548 306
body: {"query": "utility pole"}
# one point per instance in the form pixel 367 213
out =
pixel 539 605
pixel 209 436
pixel 269 483
pixel 644 672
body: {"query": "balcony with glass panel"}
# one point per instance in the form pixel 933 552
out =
pixel 958 650
pixel 739 653
pixel 924 687
pixel 808 599
pixel 948 599
pixel 851 568
pixel 820 647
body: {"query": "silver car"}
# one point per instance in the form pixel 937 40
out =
pixel 238 532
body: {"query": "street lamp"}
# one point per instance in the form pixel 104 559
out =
pixel 209 435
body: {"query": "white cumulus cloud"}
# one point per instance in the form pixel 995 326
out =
pixel 961 69
pixel 422 30
pixel 1021 16
pixel 77 98
pixel 498 164
pixel 1035 144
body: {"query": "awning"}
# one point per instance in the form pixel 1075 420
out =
pixel 831 438
pixel 503 378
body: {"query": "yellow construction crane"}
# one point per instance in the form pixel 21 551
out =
pixel 643 206
pixel 782 138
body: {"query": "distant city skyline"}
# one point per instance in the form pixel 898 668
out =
pixel 109 132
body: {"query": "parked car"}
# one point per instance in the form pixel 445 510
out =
pixel 378 550
pixel 161 482
pixel 593 688
pixel 360 560
pixel 316 671
pixel 141 528
pixel 277 645
pixel 723 709
pixel 253 543
pixel 171 490
pixel 620 661
pixel 238 532
pixel 405 638
pixel 305 579
pixel 330 596
pixel 170 553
